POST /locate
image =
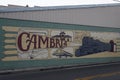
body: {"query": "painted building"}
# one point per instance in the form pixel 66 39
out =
pixel 59 36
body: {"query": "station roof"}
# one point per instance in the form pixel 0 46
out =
pixel 15 8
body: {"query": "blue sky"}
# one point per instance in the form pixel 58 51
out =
pixel 54 2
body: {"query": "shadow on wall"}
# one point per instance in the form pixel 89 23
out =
pixel 91 46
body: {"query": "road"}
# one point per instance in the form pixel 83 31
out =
pixel 101 72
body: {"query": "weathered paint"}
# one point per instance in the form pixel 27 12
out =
pixel 26 44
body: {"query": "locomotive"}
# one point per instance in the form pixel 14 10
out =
pixel 91 46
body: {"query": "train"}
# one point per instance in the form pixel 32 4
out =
pixel 91 46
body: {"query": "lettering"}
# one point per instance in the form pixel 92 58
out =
pixel 28 41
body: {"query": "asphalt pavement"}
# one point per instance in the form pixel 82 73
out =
pixel 92 72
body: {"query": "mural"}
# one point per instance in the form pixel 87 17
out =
pixel 90 46
pixel 32 44
pixel 40 43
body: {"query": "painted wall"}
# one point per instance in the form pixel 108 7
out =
pixel 41 43
pixel 26 44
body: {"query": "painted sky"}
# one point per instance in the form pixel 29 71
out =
pixel 55 2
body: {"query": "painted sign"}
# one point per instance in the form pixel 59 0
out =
pixel 42 43
pixel 27 40
pixel 45 42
